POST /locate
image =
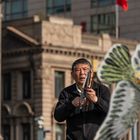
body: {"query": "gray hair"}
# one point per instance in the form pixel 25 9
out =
pixel 81 61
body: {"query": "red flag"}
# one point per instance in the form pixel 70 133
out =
pixel 123 4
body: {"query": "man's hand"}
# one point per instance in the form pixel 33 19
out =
pixel 91 95
pixel 78 102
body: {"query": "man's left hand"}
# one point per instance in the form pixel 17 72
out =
pixel 91 95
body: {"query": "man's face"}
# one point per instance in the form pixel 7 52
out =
pixel 79 73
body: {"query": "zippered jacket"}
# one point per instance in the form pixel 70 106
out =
pixel 82 124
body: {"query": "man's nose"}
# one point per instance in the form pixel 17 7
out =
pixel 82 71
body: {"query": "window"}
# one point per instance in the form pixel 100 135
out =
pixel 103 23
pixel 134 132
pixel 83 26
pixel 97 3
pixel 59 82
pixel 7 87
pixel 60 131
pixel 6 132
pixel 26 131
pixel 26 84
pixel 15 9
pixel 58 6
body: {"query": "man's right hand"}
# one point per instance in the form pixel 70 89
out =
pixel 78 102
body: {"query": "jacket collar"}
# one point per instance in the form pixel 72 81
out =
pixel 75 91
pixel 94 85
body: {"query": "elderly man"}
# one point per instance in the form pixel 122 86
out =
pixel 83 114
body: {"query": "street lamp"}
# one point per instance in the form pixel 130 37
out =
pixel 41 131
pixel 40 125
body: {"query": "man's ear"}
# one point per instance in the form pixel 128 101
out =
pixel 92 74
pixel 72 74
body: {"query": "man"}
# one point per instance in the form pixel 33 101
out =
pixel 83 115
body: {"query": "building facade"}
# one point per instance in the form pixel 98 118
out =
pixel 95 16
pixel 36 65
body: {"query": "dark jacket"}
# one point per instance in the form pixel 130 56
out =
pixel 82 124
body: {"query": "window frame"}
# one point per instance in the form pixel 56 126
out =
pixel 98 3
pixel 57 91
pixel 9 9
pixel 135 131
pixel 55 8
pixel 104 23
pixel 7 86
pixel 63 135
pixel 26 131
pixel 6 131
pixel 26 84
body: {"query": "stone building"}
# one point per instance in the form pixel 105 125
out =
pixel 96 16
pixel 37 58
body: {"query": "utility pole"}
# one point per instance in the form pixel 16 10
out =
pixel 0 63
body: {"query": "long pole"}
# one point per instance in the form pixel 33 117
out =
pixel 117 20
pixel 0 62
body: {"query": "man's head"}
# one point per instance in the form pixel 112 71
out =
pixel 80 68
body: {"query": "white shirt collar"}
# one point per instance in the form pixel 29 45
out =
pixel 78 89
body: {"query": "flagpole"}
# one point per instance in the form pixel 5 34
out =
pixel 0 64
pixel 124 5
pixel 117 20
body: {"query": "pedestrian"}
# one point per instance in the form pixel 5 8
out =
pixel 83 106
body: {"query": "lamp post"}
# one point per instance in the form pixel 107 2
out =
pixel 0 62
pixel 40 130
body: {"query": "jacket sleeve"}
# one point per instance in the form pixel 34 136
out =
pixel 63 107
pixel 103 99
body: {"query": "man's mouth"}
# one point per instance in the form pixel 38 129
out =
pixel 82 78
